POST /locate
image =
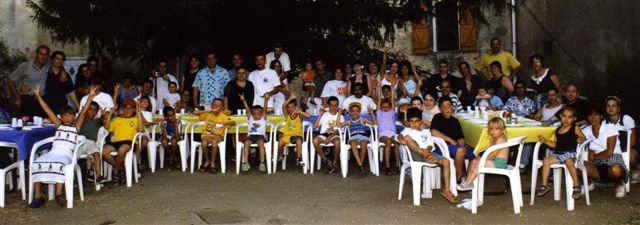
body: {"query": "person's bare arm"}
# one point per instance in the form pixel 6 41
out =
pixel 581 136
pixel 85 108
pixel 515 70
pixel 264 112
pixel 538 115
pixel 437 133
pixel 107 117
pixel 547 142
pixel 139 115
pixel 116 92
pixel 52 116
pixel 633 137
pixel 556 82
pixel 373 117
pixel 275 90
pixel 611 144
pixel 196 94
pixel 74 99
pixel 14 91
pixel 506 82
pixel 246 106
pixel 317 122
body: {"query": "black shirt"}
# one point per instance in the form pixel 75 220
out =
pixel 450 127
pixel 321 79
pixel 468 96
pixel 365 85
pixel 232 91
pixel 581 106
pixel 56 91
pixel 188 79
pixel 433 84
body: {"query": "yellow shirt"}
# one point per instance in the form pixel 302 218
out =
pixel 124 129
pixel 210 123
pixel 293 127
pixel 507 61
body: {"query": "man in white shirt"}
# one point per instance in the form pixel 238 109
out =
pixel 147 88
pixel 162 79
pixel 103 99
pixel 358 96
pixel 265 81
pixel 279 55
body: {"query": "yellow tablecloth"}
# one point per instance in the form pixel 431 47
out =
pixel 477 136
pixel 192 119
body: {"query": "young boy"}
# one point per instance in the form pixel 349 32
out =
pixel 215 124
pixel 447 127
pixel 256 134
pixel 170 134
pixel 173 98
pixel 89 130
pixel 293 132
pixel 358 134
pixel 416 102
pixel 421 146
pixel 124 128
pixel 485 98
pixel 328 123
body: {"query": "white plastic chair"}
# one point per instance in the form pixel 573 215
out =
pixel 130 162
pixel 426 173
pixel 268 146
pixel 6 172
pixel 512 172
pixel 313 153
pixel 197 145
pixel 626 156
pixel 154 147
pixel 558 168
pixel 101 141
pixel 68 172
pixel 345 149
pixel 306 140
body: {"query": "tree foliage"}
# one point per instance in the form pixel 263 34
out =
pixel 336 30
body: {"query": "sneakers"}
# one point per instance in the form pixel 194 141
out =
pixel 592 186
pixel 299 162
pixel 620 192
pixel 360 170
pixel 101 180
pixel 464 186
pixel 331 168
pixel 635 177
pixel 245 167
pixel 262 167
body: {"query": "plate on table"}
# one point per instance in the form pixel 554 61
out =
pixel 5 125
pixel 5 128
pixel 515 125
pixel 533 123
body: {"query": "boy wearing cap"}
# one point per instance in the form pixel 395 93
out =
pixel 123 128
pixel 215 122
pixel 358 134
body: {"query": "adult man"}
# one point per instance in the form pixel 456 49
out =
pixel 279 55
pixel 28 75
pixel 104 100
pixel 510 65
pixel 265 81
pixel 573 99
pixel 366 102
pixel 210 82
pixel 523 106
pixel 445 86
pixel 94 65
pixel 162 78
pixel 433 83
pixel 147 88
pixel 236 62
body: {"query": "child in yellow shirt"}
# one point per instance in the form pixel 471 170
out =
pixel 124 128
pixel 215 123
pixel 293 132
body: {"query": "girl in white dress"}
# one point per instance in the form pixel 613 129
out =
pixel 49 168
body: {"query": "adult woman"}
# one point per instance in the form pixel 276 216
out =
pixel 409 82
pixel 190 74
pixel 391 77
pixel 374 76
pixel 336 87
pixel 543 79
pixel 59 84
pixel 232 91
pixel 623 122
pixel 470 85
pixel 547 114
pixel 83 80
pixel 430 105
pixel 359 77
pixel 501 83
pixel 605 162
pixel 278 99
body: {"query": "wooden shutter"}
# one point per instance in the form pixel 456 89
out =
pixel 468 31
pixel 421 37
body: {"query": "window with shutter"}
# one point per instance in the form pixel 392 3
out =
pixel 468 31
pixel 421 37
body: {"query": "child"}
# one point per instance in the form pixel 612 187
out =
pixel 328 123
pixel 497 159
pixel 567 136
pixel 89 130
pixel 127 90
pixel 257 133
pixel 170 134
pixel 215 124
pixel 185 102
pixel 124 128
pixel 147 121
pixel 416 102
pixel 46 168
pixel 307 78
pixel 420 145
pixel 173 98
pixel 486 98
pixel 386 131
pixel 293 132
pixel 358 134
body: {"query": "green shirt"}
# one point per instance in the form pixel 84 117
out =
pixel 90 128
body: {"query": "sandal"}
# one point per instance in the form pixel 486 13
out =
pixel 204 169
pixel 543 190
pixel 387 171
pixel 577 192
pixel 213 170
pixel 395 170
pixel 449 197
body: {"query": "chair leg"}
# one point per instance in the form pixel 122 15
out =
pixel 514 195
pixel 80 185
pixel 51 191
pixel 223 154
pixel 274 160
pixel 135 168
pixel 557 183
pixel 68 186
pixel 569 190
pixel 534 180
pixel 182 148
pixel 151 152
pixel 403 168
pixel 2 184
pixel 474 195
pixel 161 156
pixel 585 185
pixel 239 147
pixel 344 161
pixel 415 183
pixel 267 152
pixel 426 182
pixel 23 177
pixel 305 158
pixel 192 159
pixel 128 160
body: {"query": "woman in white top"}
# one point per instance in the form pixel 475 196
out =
pixel 623 122
pixel 336 87
pixel 430 105
pixel 605 162
pixel 410 82
pixel 547 114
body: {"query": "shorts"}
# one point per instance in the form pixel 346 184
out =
pixel 358 138
pixel 500 163
pixel 564 156
pixel 418 158
pixel 89 147
pixel 255 138
pixel 290 139
pixel 604 165
pixel 454 148
pixel 386 133
pixel 307 84
pixel 119 144
pixel 325 136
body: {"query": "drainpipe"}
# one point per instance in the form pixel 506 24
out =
pixel 513 28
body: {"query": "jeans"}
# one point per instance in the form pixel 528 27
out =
pixel 527 150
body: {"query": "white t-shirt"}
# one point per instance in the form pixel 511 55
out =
pixel 421 137
pixel 329 121
pixel 162 87
pixel 335 88
pixel 263 82
pixel 151 99
pixel 365 103
pixel 257 127
pixel 628 122
pixel 103 99
pixel 173 99
pixel 147 116
pixel 284 60
pixel 599 144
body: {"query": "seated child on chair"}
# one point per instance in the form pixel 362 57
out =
pixel 215 123
pixel 257 133
pixel 293 132
pixel 329 134
pixel 358 134
pixel 170 136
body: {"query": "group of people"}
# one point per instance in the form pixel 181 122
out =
pixel 405 108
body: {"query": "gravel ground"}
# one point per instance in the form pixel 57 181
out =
pixel 289 197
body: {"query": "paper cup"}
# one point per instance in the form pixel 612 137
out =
pixel 182 111
pixel 239 112
pixel 219 125
pixel 14 122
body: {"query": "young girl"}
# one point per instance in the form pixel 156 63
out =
pixel 547 114
pixel 127 90
pixel 386 131
pixel 173 98
pixel 497 159
pixel 147 120
pixel 567 136
pixel 307 78
pixel 46 168
pixel 358 134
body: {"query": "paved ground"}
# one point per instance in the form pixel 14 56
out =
pixel 290 197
